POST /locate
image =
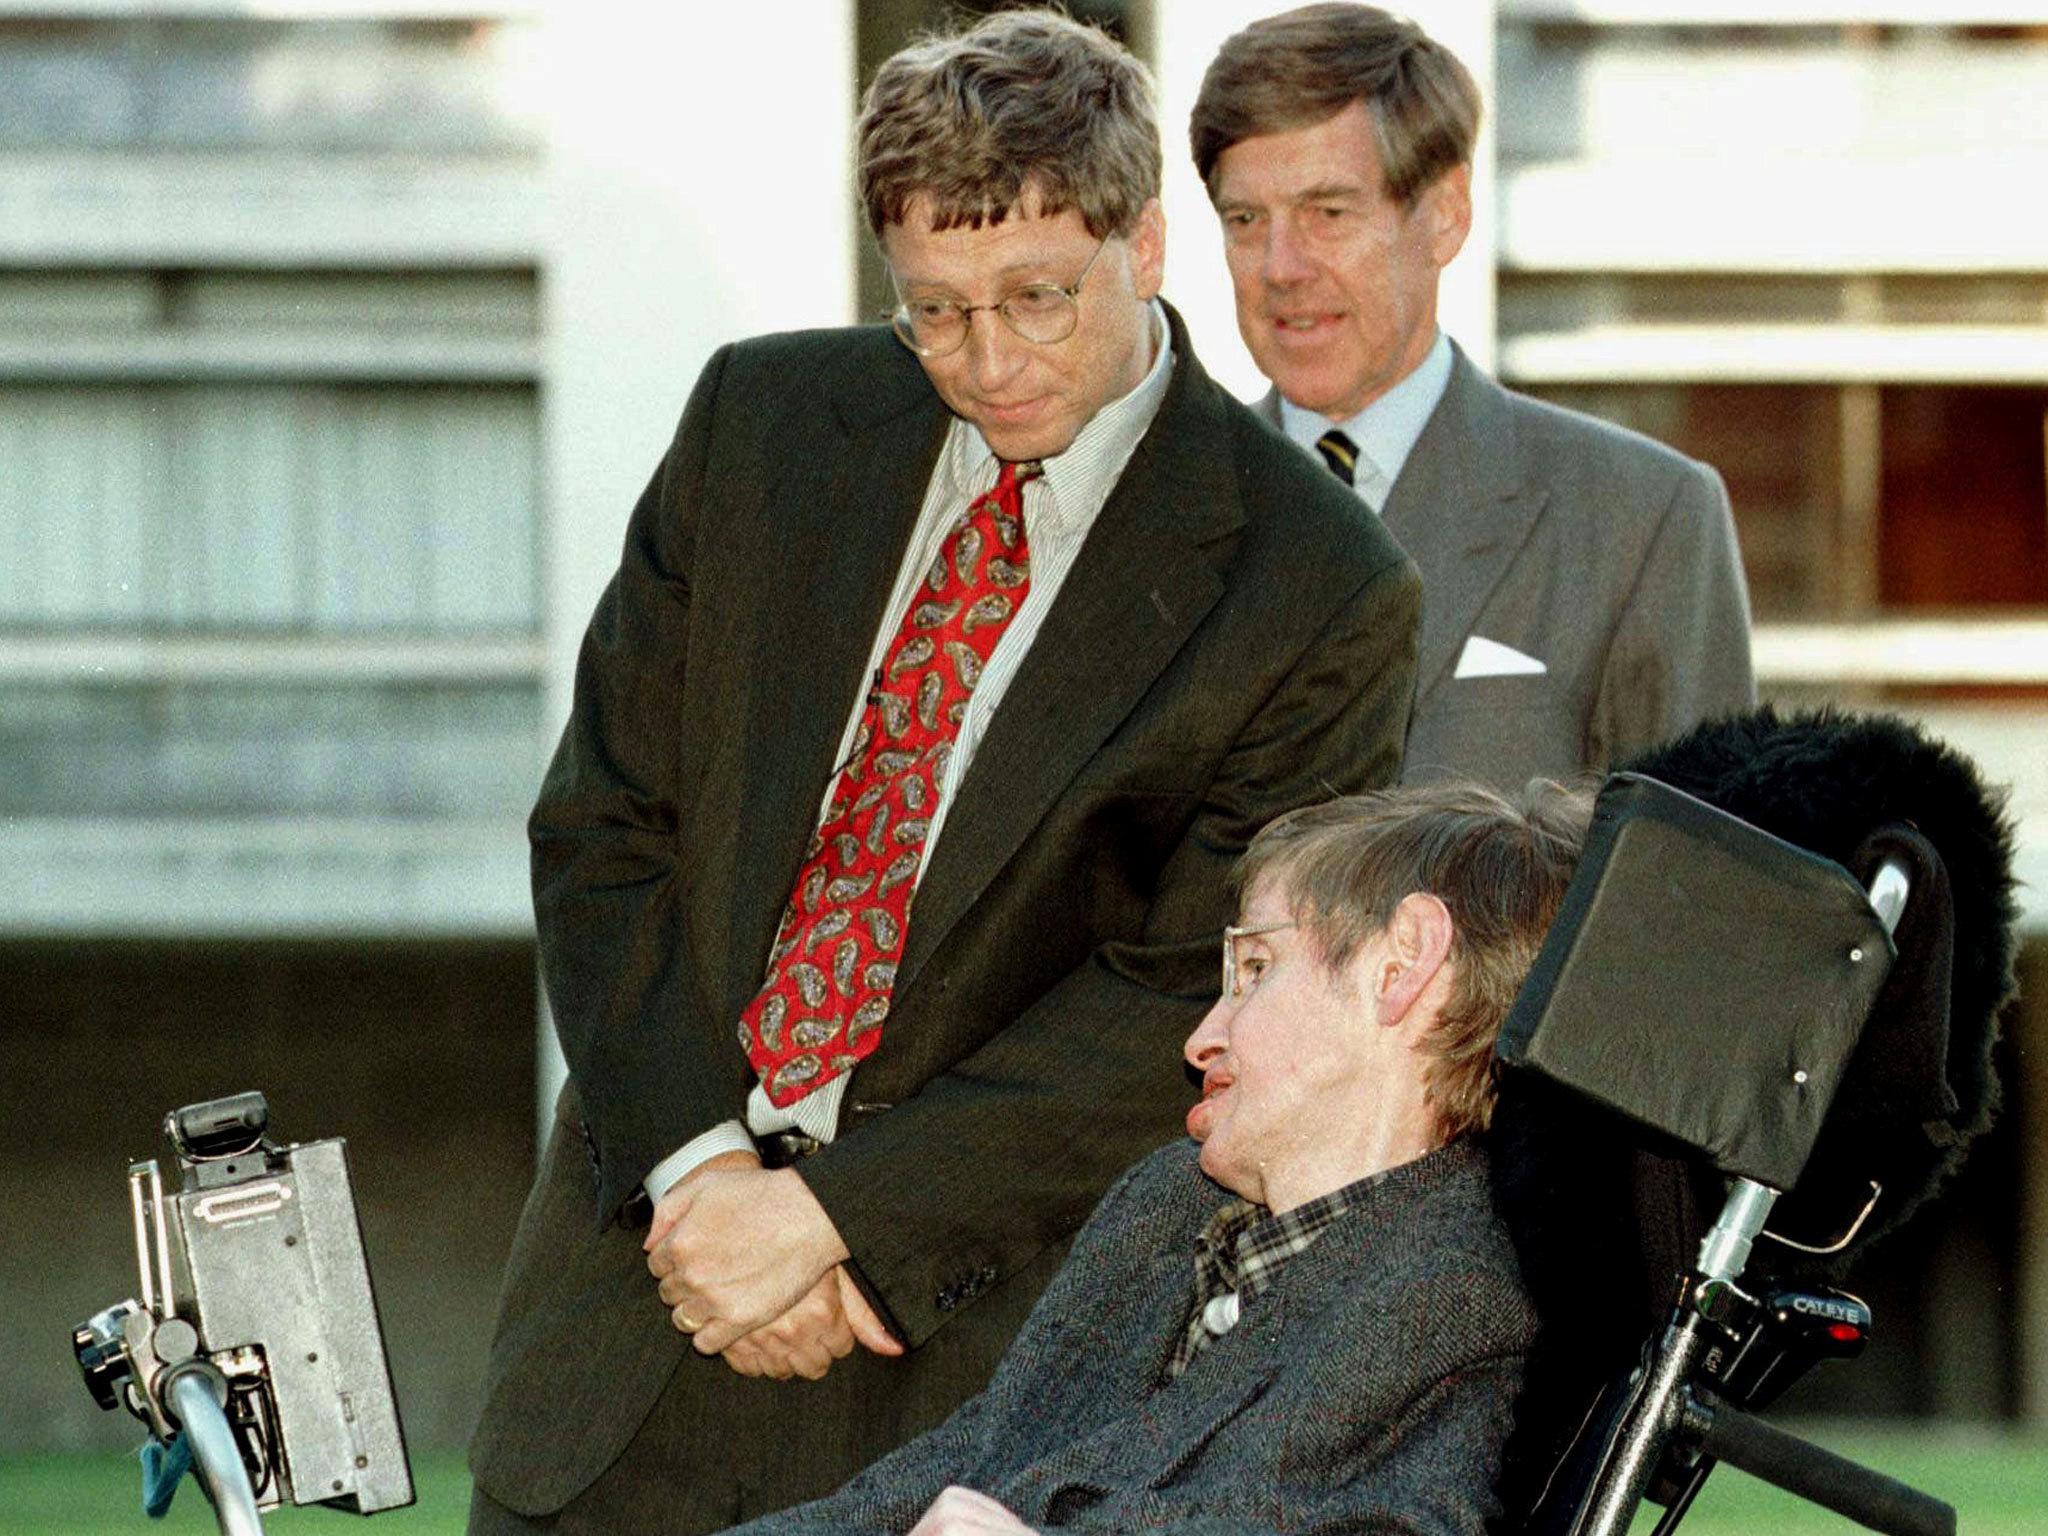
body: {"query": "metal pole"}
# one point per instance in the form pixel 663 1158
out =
pixel 1612 1503
pixel 214 1454
pixel 1724 1251
pixel 1889 888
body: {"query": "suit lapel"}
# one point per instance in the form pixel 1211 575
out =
pixel 1160 1300
pixel 1178 1423
pixel 1144 579
pixel 1173 1424
pixel 1259 1345
pixel 1155 1432
pixel 1460 512
pixel 1138 1424
pixel 892 428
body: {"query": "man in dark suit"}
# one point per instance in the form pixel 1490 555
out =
pixel 1012 611
pixel 1338 1347
pixel 1582 598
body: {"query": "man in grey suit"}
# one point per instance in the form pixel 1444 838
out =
pixel 1011 611
pixel 1582 598
pixel 1313 1320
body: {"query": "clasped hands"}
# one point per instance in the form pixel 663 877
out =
pixel 753 1269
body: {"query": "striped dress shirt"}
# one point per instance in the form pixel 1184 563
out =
pixel 1060 507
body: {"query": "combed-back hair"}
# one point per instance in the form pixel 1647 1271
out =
pixel 1499 865
pixel 1023 100
pixel 1304 67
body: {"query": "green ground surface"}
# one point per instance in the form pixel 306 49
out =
pixel 1998 1483
pixel 102 1496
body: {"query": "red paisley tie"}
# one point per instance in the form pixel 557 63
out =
pixel 833 967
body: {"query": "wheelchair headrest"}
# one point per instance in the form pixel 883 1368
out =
pixel 1857 788
pixel 1588 1194
pixel 1704 979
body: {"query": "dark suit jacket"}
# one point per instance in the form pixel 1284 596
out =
pixel 1369 1389
pixel 1236 638
pixel 1606 556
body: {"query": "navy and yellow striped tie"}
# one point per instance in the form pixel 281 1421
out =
pixel 1340 453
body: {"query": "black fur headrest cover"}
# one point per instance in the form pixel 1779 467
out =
pixel 1605 1220
pixel 1857 788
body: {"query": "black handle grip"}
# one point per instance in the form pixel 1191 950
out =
pixel 219 1127
pixel 1819 1476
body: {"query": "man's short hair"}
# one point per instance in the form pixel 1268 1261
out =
pixel 1304 67
pixel 1499 865
pixel 1023 99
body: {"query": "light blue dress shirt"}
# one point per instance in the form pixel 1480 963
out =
pixel 1386 430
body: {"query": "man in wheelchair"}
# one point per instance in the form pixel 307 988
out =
pixel 1763 972
pixel 1307 1316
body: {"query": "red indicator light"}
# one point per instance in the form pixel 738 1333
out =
pixel 1844 1333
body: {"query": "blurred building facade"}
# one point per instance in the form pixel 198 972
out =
pixel 1800 242
pixel 337 336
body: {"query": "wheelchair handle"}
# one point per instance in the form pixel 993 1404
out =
pixel 1813 1473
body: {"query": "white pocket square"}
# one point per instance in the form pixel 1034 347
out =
pixel 1489 658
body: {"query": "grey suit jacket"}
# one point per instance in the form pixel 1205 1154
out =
pixel 1369 1389
pixel 1235 638
pixel 1598 552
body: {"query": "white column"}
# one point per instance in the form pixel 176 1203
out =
pixel 701 191
pixel 1466 306
pixel 1188 34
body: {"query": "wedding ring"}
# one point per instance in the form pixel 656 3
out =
pixel 687 1323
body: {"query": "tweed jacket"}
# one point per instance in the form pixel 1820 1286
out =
pixel 1235 638
pixel 1370 1389
pixel 1604 559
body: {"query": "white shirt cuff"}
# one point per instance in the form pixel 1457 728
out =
pixel 727 1136
pixel 815 1114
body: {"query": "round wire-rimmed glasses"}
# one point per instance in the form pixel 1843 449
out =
pixel 1039 312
